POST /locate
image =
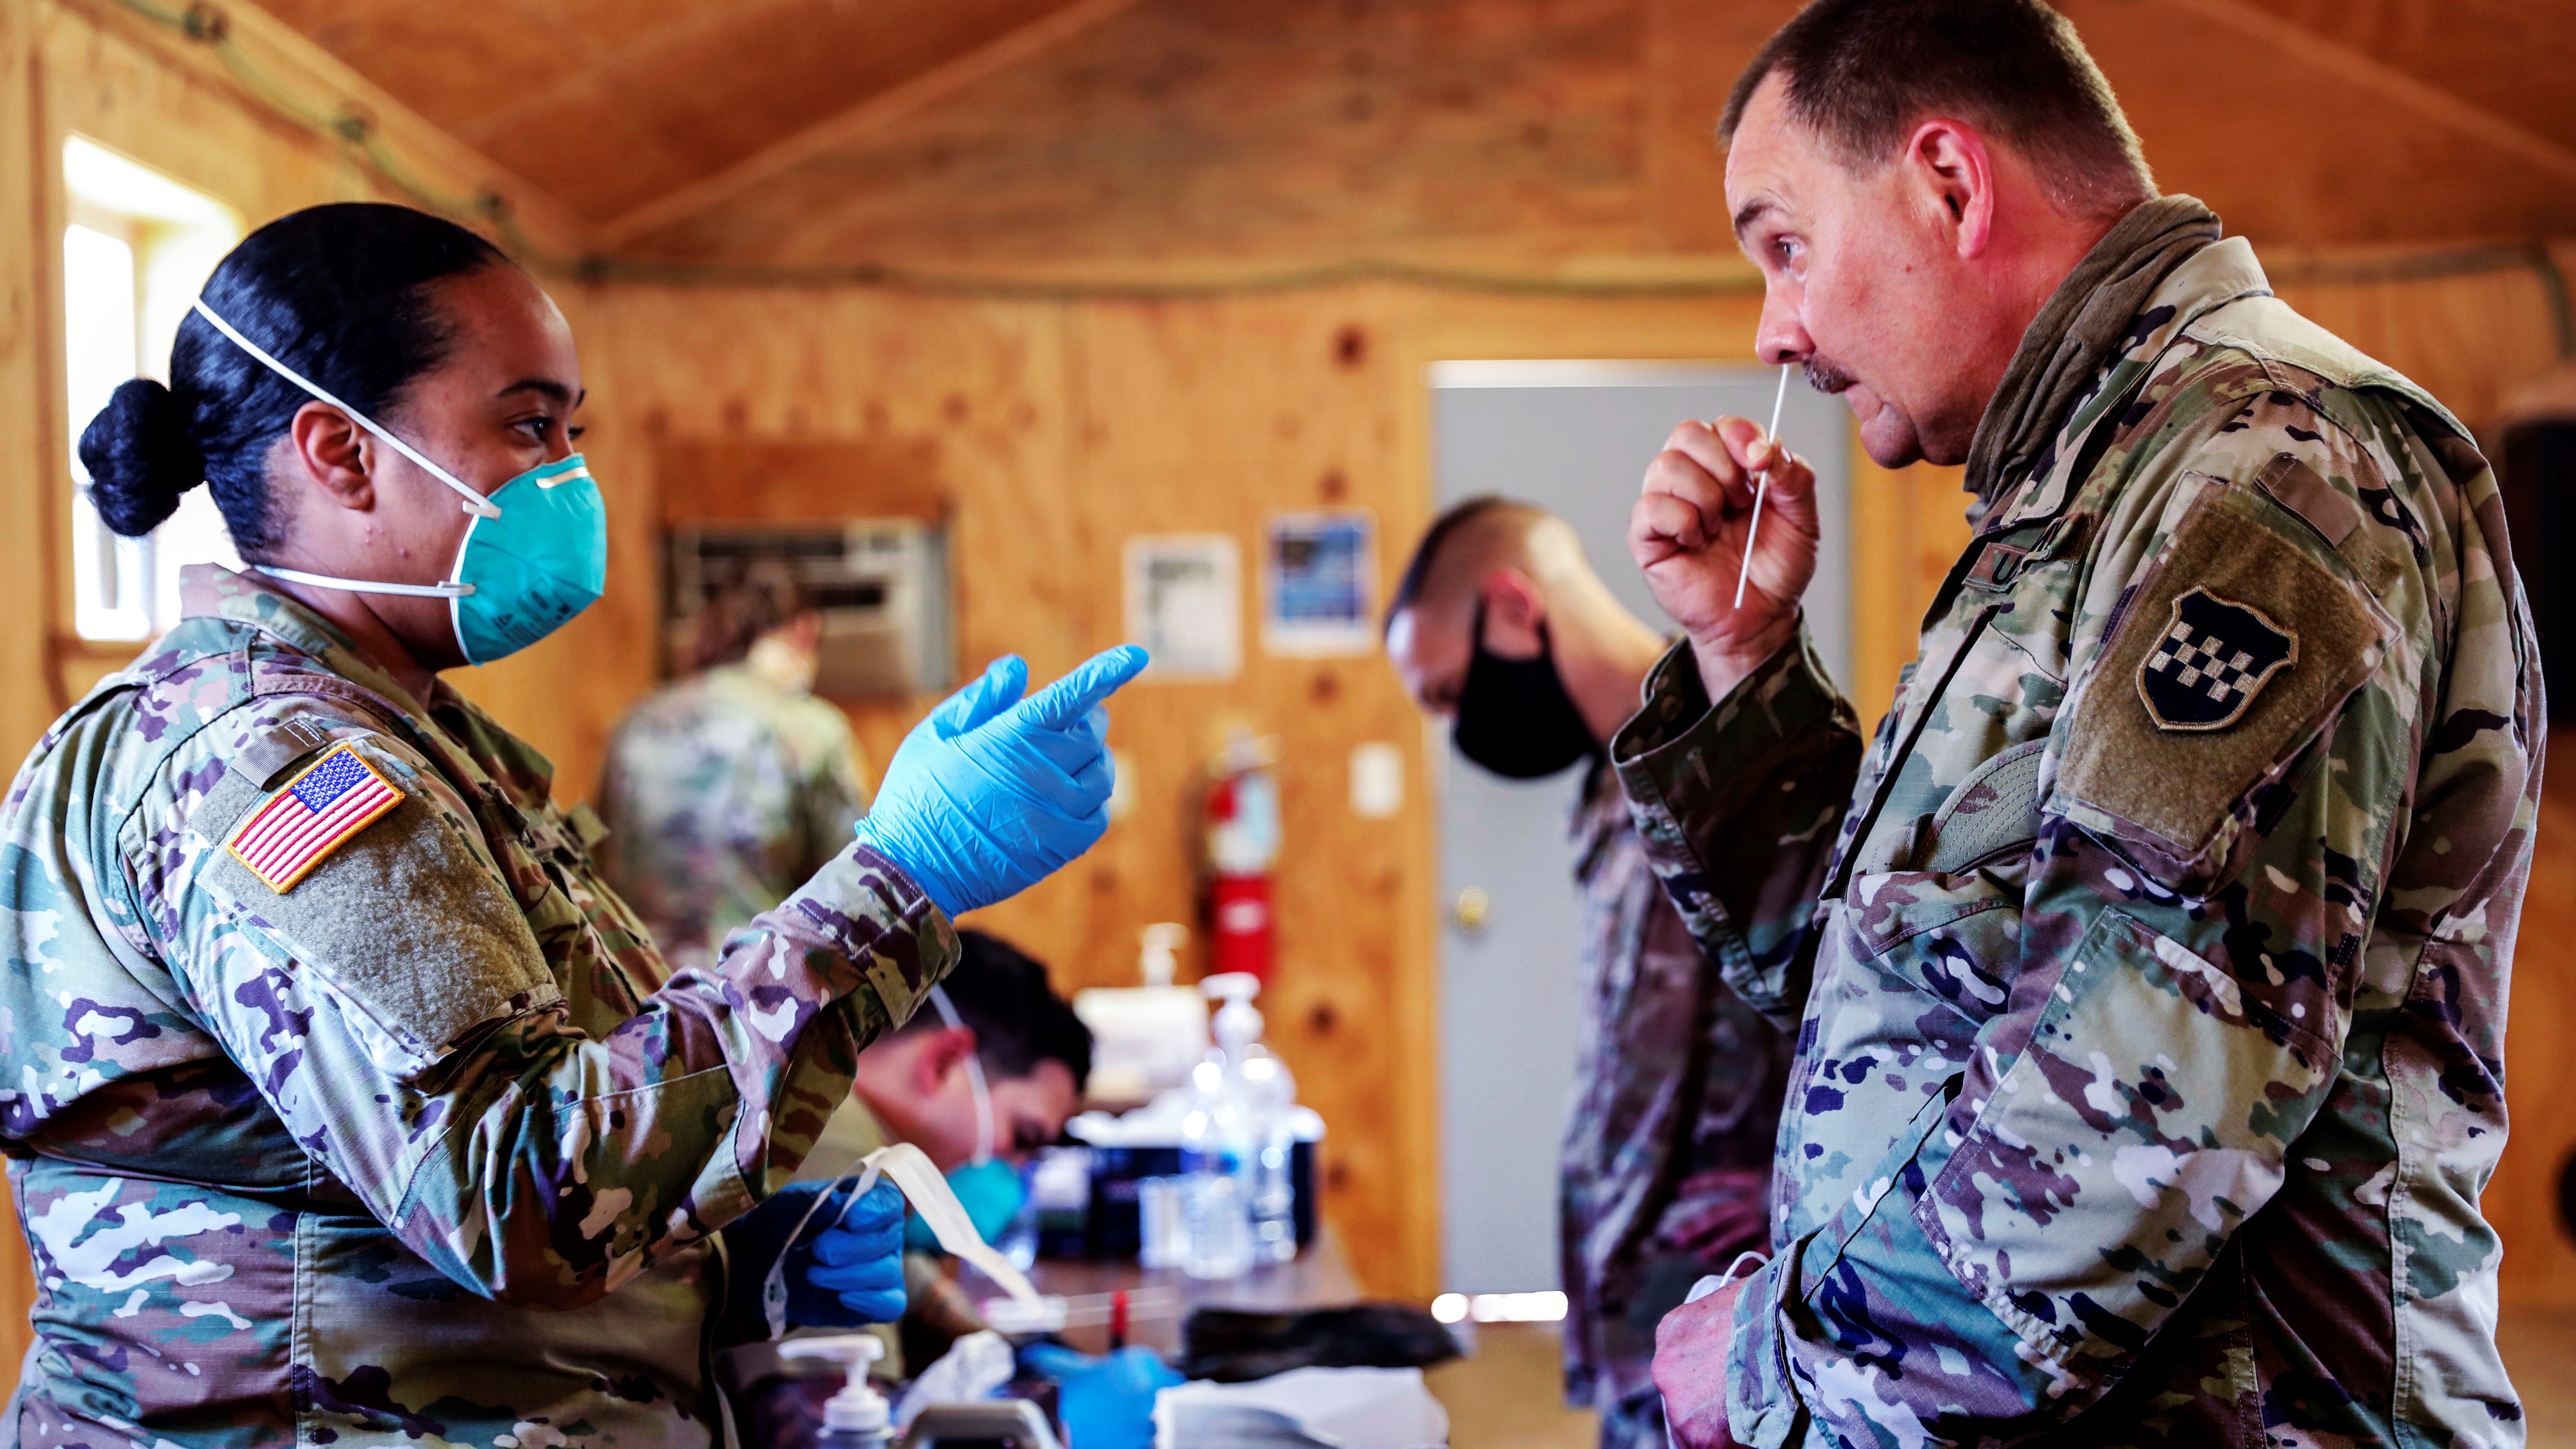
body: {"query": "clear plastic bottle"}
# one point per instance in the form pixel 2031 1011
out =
pixel 1269 1094
pixel 1274 1188
pixel 1216 1152
pixel 1245 1097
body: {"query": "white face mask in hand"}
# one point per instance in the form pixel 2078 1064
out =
pixel 923 1185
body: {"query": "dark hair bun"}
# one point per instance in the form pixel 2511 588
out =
pixel 140 457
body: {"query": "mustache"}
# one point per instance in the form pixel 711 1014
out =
pixel 1824 377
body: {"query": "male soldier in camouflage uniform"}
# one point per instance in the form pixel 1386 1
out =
pixel 1501 622
pixel 728 789
pixel 2151 969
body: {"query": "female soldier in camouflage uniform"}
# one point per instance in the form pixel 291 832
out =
pixel 342 1094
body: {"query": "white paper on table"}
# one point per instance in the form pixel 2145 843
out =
pixel 1356 1408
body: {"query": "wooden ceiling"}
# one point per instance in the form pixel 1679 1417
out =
pixel 1067 131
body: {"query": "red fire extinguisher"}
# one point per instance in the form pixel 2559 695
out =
pixel 1242 851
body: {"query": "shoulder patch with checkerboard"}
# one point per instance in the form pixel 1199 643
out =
pixel 2215 656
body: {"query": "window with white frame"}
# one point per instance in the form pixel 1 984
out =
pixel 137 249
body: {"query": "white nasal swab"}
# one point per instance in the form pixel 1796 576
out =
pixel 1754 531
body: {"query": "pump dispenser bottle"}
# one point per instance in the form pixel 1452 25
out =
pixel 857 1417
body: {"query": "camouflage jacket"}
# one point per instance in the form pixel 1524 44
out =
pixel 1666 1165
pixel 723 793
pixel 2151 970
pixel 427 1147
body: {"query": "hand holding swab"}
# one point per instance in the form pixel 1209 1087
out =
pixel 1754 530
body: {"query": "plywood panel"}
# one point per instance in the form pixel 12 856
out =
pixel 26 334
pixel 146 90
pixel 2540 1067
pixel 1526 132
pixel 768 481
pixel 614 104
pixel 2466 47
pixel 2468 340
pixel 1303 127
pixel 1909 525
pixel 2327 168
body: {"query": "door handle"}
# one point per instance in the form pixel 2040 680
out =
pixel 1472 912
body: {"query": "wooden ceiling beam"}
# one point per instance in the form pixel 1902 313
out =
pixel 598 71
pixel 2370 73
pixel 864 119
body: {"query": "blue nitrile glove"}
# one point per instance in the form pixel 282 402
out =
pixel 844 1269
pixel 1106 1403
pixel 992 792
pixel 992 1196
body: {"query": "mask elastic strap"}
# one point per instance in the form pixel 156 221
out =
pixel 449 590
pixel 975 1083
pixel 475 503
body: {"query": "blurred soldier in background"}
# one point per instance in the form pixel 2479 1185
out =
pixel 727 788
pixel 1501 625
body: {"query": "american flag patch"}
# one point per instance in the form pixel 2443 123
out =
pixel 314 815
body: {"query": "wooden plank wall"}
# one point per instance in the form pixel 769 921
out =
pixel 1058 431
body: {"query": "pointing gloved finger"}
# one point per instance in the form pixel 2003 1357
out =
pixel 1082 687
pixel 995 690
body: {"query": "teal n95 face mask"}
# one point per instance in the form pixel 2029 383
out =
pixel 535 555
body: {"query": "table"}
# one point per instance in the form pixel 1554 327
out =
pixel 1320 1277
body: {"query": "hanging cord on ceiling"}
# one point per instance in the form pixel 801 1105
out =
pixel 351 130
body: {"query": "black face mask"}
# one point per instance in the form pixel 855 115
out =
pixel 1514 716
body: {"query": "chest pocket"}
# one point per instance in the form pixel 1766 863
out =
pixel 1959 785
pixel 1921 938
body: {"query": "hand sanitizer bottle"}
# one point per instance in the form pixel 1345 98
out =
pixel 857 1417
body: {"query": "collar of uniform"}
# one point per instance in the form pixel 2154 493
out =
pixel 215 592
pixel 2222 272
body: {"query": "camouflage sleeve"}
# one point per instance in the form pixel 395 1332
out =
pixel 1738 804
pixel 2224 885
pixel 832 798
pixel 394 1008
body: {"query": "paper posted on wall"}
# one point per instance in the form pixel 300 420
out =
pixel 1319 576
pixel 1184 604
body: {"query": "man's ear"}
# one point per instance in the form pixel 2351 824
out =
pixel 1515 607
pixel 942 1056
pixel 1951 166
pixel 335 453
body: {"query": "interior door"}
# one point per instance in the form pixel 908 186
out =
pixel 1573 438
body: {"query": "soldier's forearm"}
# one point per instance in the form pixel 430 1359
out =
pixel 572 1164
pixel 1738 804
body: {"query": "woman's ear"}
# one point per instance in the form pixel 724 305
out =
pixel 331 450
